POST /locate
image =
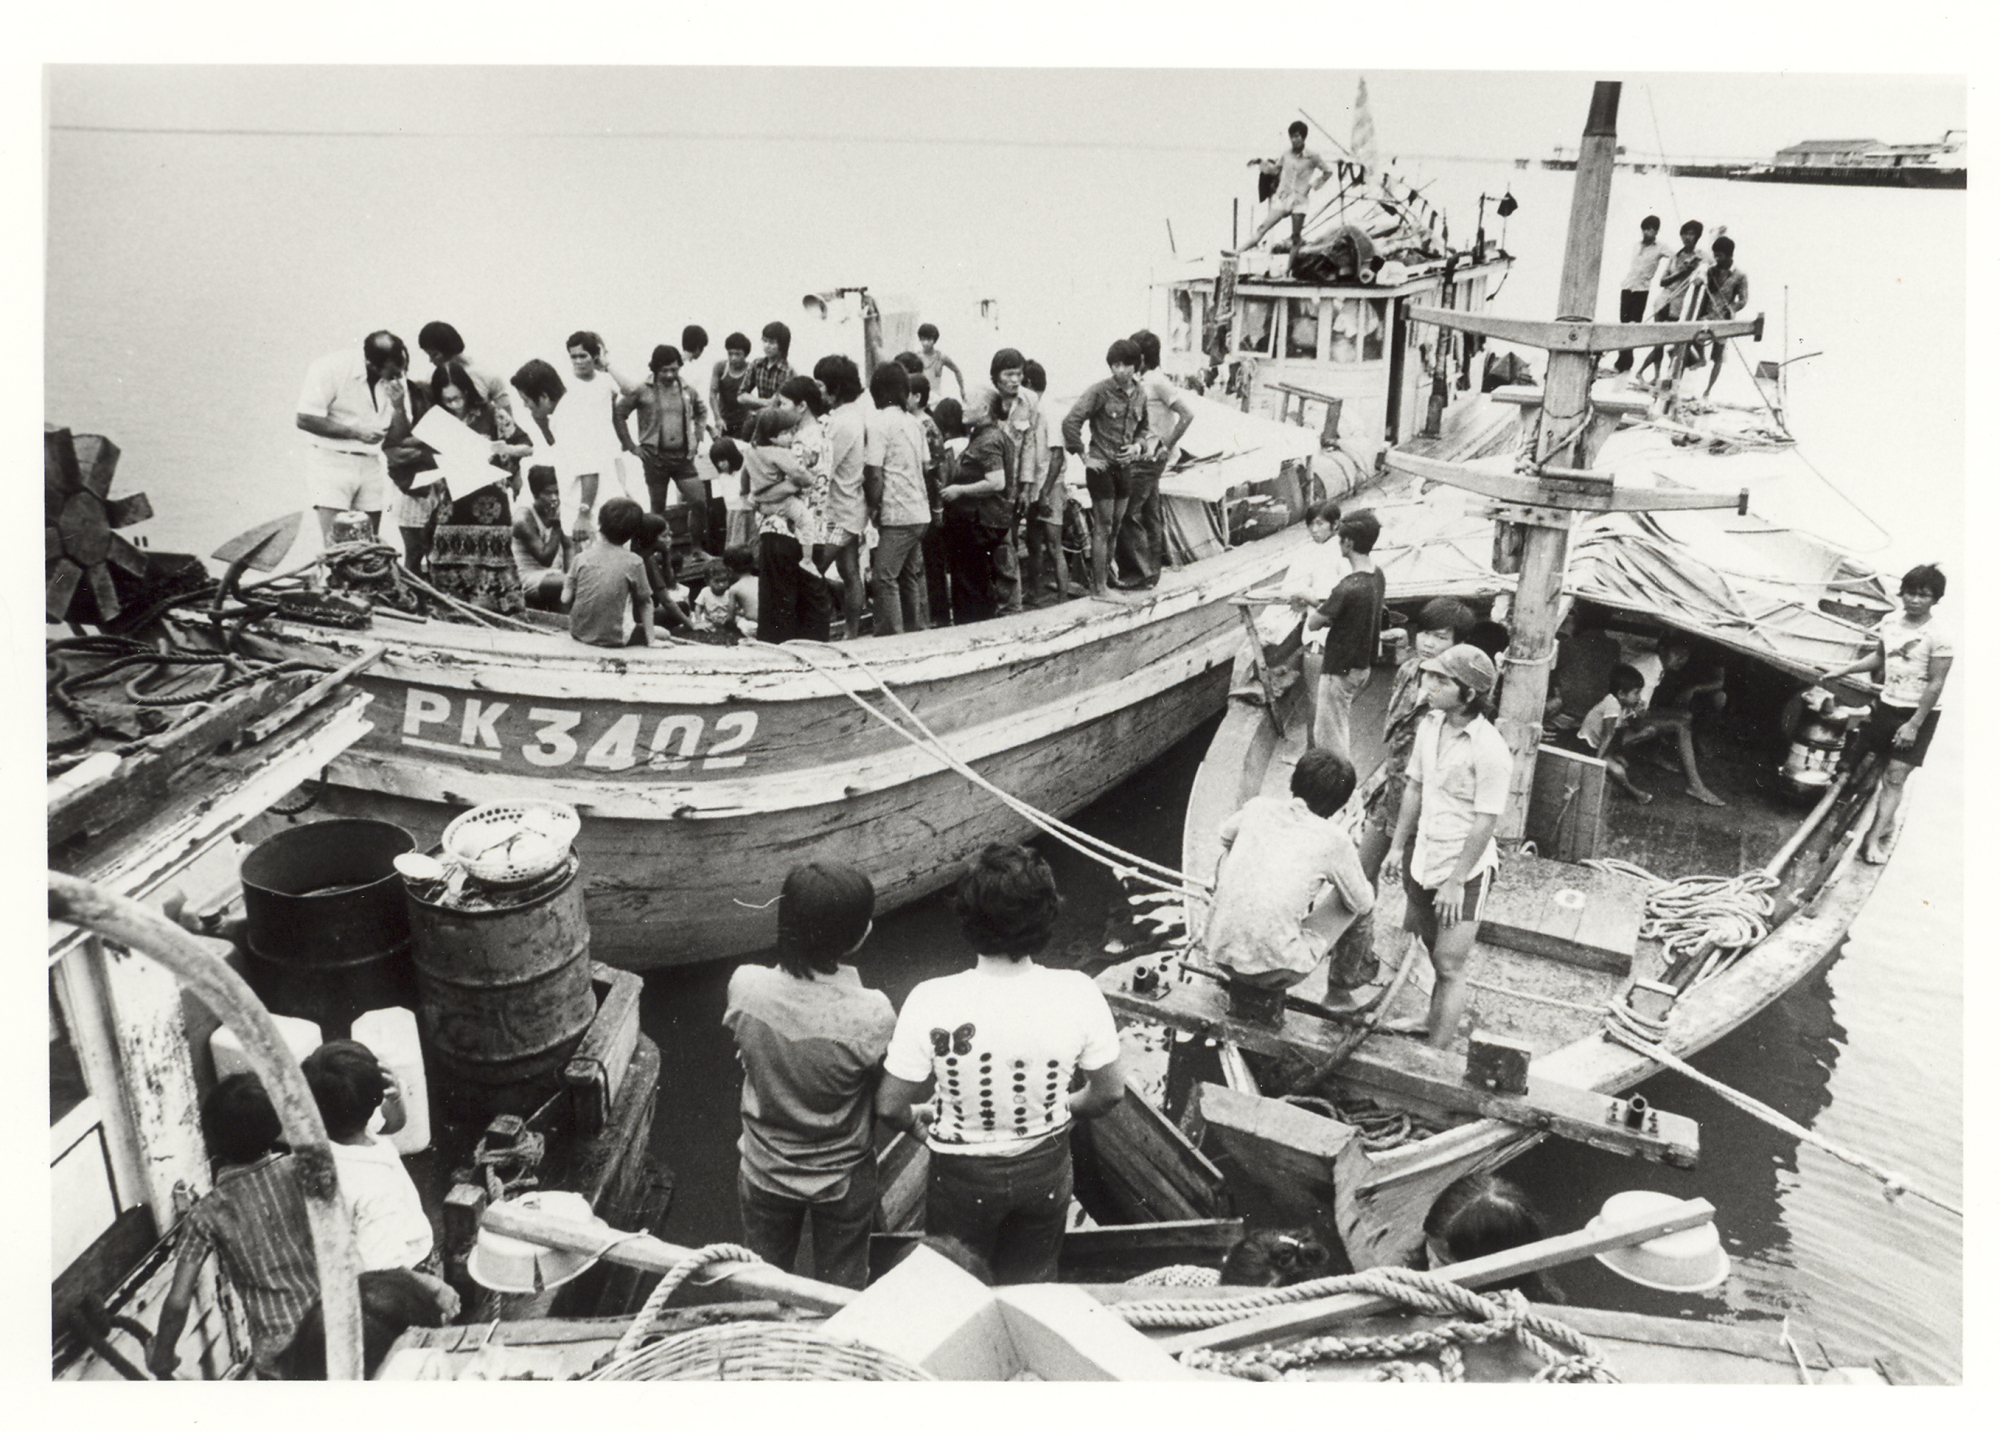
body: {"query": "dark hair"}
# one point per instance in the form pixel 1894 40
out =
pixel 1122 350
pixel 1323 779
pixel 1034 377
pixel 1724 246
pixel 586 340
pixel 381 346
pixel 1003 360
pixel 801 389
pixel 1483 1214
pixel 1149 348
pixel 538 379
pixel 767 427
pixel 920 388
pixel 840 375
pixel 393 1300
pixel 1447 614
pixel 452 374
pixel 653 527
pixel 739 559
pixel 237 1120
pixel 1489 636
pixel 724 453
pixel 776 332
pixel 1651 221
pixel 1274 1258
pixel 736 343
pixel 889 385
pixel 1006 901
pixel 1297 126
pixel 1692 226
pixel 542 478
pixel 910 362
pixel 1626 678
pixel 1360 529
pixel 620 520
pixel 1327 512
pixel 949 417
pixel 694 338
pixel 347 1084
pixel 440 337
pixel 663 354
pixel 927 330
pixel 822 914
pixel 1924 578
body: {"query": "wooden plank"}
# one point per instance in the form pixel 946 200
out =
pixel 312 696
pixel 1566 804
pixel 1288 1324
pixel 1565 912
pixel 596 1071
pixel 1273 1142
pixel 1605 497
pixel 1399 1070
pixel 1134 1166
pixel 1109 1253
pixel 902 1174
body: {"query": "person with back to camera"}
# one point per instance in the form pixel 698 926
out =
pixel 1352 616
pixel 810 1038
pixel 1480 1215
pixel 1913 658
pixel 998 1045
pixel 1290 880
pixel 1443 847
pixel 609 579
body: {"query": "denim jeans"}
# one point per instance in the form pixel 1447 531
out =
pixel 1010 1211
pixel 773 1224
pixel 902 602
pixel 1142 537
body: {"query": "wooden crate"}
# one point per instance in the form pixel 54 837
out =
pixel 1566 806
pixel 1565 912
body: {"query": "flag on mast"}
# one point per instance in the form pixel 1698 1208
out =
pixel 1364 127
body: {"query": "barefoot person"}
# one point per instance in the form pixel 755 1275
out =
pixel 1443 846
pixel 1913 658
pixel 1683 688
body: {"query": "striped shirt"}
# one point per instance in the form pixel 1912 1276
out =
pixel 255 1224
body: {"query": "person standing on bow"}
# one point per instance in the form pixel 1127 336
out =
pixel 1143 544
pixel 1725 293
pixel 1639 282
pixel 1115 409
pixel 1298 173
pixel 345 410
pixel 673 421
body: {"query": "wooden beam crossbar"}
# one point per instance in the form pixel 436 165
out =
pixel 1576 335
pixel 1569 489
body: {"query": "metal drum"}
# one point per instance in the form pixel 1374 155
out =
pixel 504 994
pixel 328 934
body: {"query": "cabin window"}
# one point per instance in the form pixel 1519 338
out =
pixel 1359 328
pixel 1255 320
pixel 1302 328
pixel 1180 321
pixel 1374 327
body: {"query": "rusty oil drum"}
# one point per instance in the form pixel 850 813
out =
pixel 327 932
pixel 504 996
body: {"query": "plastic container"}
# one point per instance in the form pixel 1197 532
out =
pixel 392 1034
pixel 302 1036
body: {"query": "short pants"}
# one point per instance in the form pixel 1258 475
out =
pixel 345 481
pixel 1420 906
pixel 1109 484
pixel 1878 733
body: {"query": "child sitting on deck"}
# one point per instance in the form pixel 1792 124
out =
pixel 717 610
pixel 1290 880
pixel 1604 726
pixel 609 578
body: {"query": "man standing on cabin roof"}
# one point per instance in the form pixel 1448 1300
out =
pixel 1443 847
pixel 1639 282
pixel 1299 172
pixel 1725 293
pixel 345 410
pixel 1143 544
pixel 1352 616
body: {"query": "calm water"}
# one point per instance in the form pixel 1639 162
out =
pixel 192 278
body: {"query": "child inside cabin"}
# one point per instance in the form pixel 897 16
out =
pixel 733 483
pixel 1605 723
pixel 609 579
pixel 253 1221
pixel 349 1084
pixel 1290 880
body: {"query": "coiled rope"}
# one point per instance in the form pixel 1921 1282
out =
pixel 1724 914
pixel 1567 1355
pixel 701 1258
pixel 1122 863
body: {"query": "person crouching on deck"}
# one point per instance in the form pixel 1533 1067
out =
pixel 1290 879
pixel 811 1040
pixel 1443 846
pixel 1000 1043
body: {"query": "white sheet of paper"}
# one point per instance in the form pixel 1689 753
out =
pixel 464 456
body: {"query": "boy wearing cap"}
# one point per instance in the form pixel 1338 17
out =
pixel 1443 846
pixel 1352 616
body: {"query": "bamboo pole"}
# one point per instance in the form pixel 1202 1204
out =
pixel 195 963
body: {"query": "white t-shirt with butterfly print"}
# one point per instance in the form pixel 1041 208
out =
pixel 1003 1040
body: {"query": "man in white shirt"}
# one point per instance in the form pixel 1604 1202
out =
pixel 999 1044
pixel 345 410
pixel 1299 171
pixel 1646 259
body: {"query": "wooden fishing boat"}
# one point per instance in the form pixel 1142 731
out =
pixel 704 773
pixel 1627 531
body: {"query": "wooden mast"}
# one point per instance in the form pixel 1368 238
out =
pixel 1560 483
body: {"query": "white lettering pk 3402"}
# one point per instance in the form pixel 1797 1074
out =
pixel 550 737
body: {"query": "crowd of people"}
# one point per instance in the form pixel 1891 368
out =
pixel 841 504
pixel 1694 283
